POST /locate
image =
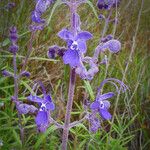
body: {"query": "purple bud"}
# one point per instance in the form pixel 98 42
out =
pixel 114 46
pixel 25 108
pixel 10 5
pixel 13 30
pixel 52 52
pixel 13 34
pixel 101 17
pixel 25 73
pixel 13 37
pixel 7 73
pixel 36 17
pixel 13 48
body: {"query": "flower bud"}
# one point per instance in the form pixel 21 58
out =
pixel 13 48
pixel 25 73
pixel 7 73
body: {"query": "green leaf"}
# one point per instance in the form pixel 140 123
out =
pixel 89 89
pixel 57 3
pixel 92 6
pixel 5 42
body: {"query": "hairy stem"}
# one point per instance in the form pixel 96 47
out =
pixel 68 109
pixel 16 97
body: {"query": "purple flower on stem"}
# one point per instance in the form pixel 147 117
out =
pixel 40 8
pixel 101 104
pixel 36 17
pixel 7 73
pixel 45 105
pixel 76 46
pixel 13 38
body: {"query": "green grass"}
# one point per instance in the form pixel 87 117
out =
pixel 130 127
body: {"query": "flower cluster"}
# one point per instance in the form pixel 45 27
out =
pixel 101 103
pixel 40 8
pixel 13 38
pixel 45 106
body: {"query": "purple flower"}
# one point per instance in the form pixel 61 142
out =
pixel 101 104
pixel 41 6
pixel 107 4
pixel 45 104
pixel 52 51
pixel 25 108
pixel 76 46
pixel 25 74
pixel 7 73
pixel 36 17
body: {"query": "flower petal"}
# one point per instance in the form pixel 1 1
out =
pixel 85 35
pixel 95 105
pixel 82 46
pixel 106 96
pixel 105 114
pixel 41 118
pixel 71 57
pixel 65 34
pixel 35 99
pixel 48 102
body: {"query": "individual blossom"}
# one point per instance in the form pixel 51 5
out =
pixel 107 4
pixel 101 105
pixel 45 106
pixel 76 46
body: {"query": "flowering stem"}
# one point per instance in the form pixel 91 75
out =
pixel 73 9
pixel 16 97
pixel 68 109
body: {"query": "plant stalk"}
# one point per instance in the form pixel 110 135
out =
pixel 73 9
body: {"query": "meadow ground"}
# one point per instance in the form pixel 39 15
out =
pixel 130 128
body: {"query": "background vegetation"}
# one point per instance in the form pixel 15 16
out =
pixel 131 126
